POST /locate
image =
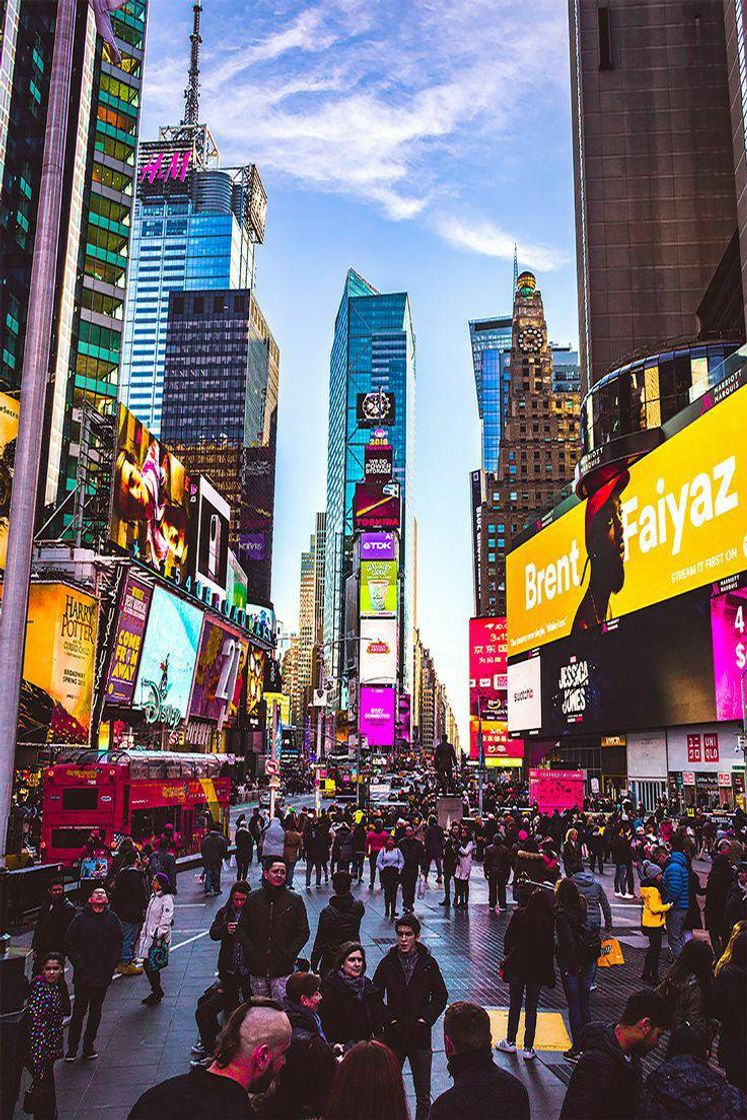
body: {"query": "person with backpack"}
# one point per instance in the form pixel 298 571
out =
pixel 577 948
pixel 163 862
pixel 528 966
pixel 339 921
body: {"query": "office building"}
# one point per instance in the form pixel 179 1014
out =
pixel 220 400
pixel 311 614
pixel 102 133
pixel 373 349
pixel 539 446
pixel 490 341
pixel 431 712
pixel 566 369
pixel 658 103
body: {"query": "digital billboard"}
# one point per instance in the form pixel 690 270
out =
pixel 219 671
pixel 255 677
pixel 151 500
pixel 236 582
pixel 167 662
pixel 729 636
pixel 378 460
pixel 378 546
pixel 9 407
pixel 58 666
pixel 373 508
pixel 260 622
pixel 378 659
pixel 211 537
pixel 488 691
pixel 128 640
pixel 378 587
pixel 376 716
pixel 375 408
pixel 404 717
pixel 672 523
pixel 525 695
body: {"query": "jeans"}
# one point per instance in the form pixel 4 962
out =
pixel 516 987
pixel 651 963
pixel 358 861
pixel 623 872
pixel 427 866
pixel 236 990
pixel 448 876
pixel 497 890
pixel 90 999
pixel 242 868
pixel 596 857
pixel 317 865
pixel 273 987
pixel 409 881
pixel 675 930
pixel 420 1067
pixel 154 977
pixel 390 882
pixel 212 879
pixel 372 868
pixel 577 987
pixel 290 869
pixel 461 892
pixel 130 930
pixel 208 1009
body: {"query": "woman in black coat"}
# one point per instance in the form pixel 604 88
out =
pixel 352 1009
pixel 528 965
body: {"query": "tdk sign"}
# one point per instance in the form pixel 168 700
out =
pixel 378 546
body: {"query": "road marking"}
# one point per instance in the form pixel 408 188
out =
pixel 551 1029
pixel 189 940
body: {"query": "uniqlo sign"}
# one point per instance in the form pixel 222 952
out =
pixel 710 748
pixel 694 749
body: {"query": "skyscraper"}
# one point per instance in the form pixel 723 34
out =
pixel 490 340
pixel 311 613
pixel 102 133
pixel 373 349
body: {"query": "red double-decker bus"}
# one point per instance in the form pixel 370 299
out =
pixel 131 793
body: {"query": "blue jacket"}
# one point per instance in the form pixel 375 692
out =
pixel 676 881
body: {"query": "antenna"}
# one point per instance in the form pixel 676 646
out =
pixel 192 92
pixel 516 269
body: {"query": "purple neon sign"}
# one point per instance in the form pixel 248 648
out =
pixel 167 167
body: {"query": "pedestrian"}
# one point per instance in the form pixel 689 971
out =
pixel 52 923
pixel 577 951
pixel 303 1084
pixel 164 861
pixel 250 1054
pixel 256 826
pixel 273 840
pixel 736 900
pixel 730 1007
pixel 244 850
pixel 317 845
pixel 481 1090
pixel 686 1086
pixel 607 1079
pixel 129 901
pixel 652 919
pixel 214 850
pixel 597 907
pixel 433 843
pixel 686 987
pixel 359 849
pixel 301 1005
pixel 572 860
pixel 46 1007
pixel 390 863
pixel 368 1085
pixel 720 879
pixel 528 966
pixel 339 921
pixel 595 844
pixel 232 968
pixel 497 869
pixel 351 1008
pixel 155 936
pixel 451 859
pixel 463 869
pixel 291 848
pixel 93 945
pixel 675 880
pixel 376 839
pixel 342 846
pixel 412 853
pixel 412 985
pixel 273 929
pixel 623 859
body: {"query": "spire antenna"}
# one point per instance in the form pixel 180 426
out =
pixel 516 268
pixel 192 92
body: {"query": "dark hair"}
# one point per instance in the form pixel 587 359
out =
pixel 410 922
pixel 569 897
pixel 645 1005
pixel 346 949
pixel 230 1038
pixel 58 881
pixel 677 842
pixel 368 1085
pixel 341 882
pixel 164 843
pixel 239 887
pixel 53 956
pixel 696 959
pixel 686 1040
pixel 538 908
pixel 302 984
pixel 467 1026
pixel 303 1084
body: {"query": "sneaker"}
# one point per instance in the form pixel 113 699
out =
pixel 618 895
pixel 530 1054
pixel 152 1000
pixel 444 903
pixel 628 896
pixel 121 968
pixel 506 1046
pixel 131 969
pixel 201 1063
pixel 571 1055
pixel 593 988
pixel 71 1055
pixel 89 1055
pixel 198 1051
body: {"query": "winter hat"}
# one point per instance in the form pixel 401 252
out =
pixel 523 835
pixel 650 869
pixel 163 879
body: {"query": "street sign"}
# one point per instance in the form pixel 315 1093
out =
pixel 272 766
pixel 320 698
pixel 274 782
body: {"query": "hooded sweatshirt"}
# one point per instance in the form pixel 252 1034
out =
pixel 683 1087
pixel 597 902
pixel 605 1082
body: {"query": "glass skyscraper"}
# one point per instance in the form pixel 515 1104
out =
pixel 491 349
pixel 373 348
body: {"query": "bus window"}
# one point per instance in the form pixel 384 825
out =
pixel 142 824
pixel 73 838
pixel 126 806
pixel 173 768
pixel 81 799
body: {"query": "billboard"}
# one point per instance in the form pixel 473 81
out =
pixel 729 637
pixel 476 488
pixel 376 716
pixel 211 537
pixel 236 582
pixel 8 431
pixel 674 522
pixel 255 679
pixel 260 622
pixel 404 717
pixel 711 748
pixel 378 546
pixel 378 660
pixel 58 666
pixel 219 672
pixel 373 508
pixel 167 662
pixel 128 640
pixel 525 695
pixel 378 587
pixel 151 500
pixel 488 691
pixel 556 789
pixel 378 462
pixel 375 409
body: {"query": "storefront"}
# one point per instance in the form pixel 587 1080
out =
pixel 647 767
pixel 706 765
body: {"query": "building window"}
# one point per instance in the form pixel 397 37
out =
pixel 605 37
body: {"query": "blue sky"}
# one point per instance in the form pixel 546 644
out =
pixel 414 142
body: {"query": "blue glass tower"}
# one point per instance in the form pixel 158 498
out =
pixel 491 352
pixel 373 348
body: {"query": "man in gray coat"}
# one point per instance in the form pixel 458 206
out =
pixel 213 850
pixel 597 904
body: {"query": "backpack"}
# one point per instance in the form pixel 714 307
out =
pixel 589 943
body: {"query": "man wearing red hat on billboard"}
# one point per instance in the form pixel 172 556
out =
pixel 605 547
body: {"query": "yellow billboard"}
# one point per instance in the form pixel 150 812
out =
pixel 676 521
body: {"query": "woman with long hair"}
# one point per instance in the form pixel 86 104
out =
pixel 687 986
pixel 572 859
pixel 368 1085
pixel 352 1009
pixel 45 1009
pixel 528 966
pixel 155 936
pixel 463 869
pixel 730 1007
pixel 577 949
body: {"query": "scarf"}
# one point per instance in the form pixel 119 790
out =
pixel 356 984
pixel 408 962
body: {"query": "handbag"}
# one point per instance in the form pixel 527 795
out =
pixel 33 1098
pixel 611 953
pixel 158 956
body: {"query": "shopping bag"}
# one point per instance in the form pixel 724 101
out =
pixel 611 953
pixel 158 955
pixel 421 886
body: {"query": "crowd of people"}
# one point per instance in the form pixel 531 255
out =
pixel 283 1035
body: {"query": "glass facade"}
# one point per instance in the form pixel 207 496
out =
pixel 373 348
pixel 491 350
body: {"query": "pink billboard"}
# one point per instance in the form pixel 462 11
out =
pixel 556 789
pixel 728 631
pixel 488 691
pixel 376 716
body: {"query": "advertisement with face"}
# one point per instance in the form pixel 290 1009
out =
pixel 378 664
pixel 8 431
pixel 376 716
pixel 255 677
pixel 404 717
pixel 128 640
pixel 378 587
pixel 221 660
pixel 674 522
pixel 729 635
pixel 58 666
pixel 167 662
pixel 378 546
pixel 151 500
pixel 213 523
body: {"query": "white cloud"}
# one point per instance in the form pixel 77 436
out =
pixel 489 240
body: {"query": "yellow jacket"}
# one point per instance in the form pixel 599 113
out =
pixel 653 908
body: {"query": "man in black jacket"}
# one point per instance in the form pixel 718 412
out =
pixel 412 852
pixel 273 929
pixel 410 981
pixel 129 902
pixel 607 1080
pixel 213 850
pixel 339 921
pixel 94 947
pixel 481 1090
pixel 52 924
pixel 232 971
pixel 497 869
